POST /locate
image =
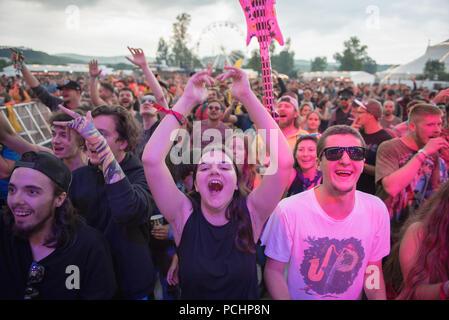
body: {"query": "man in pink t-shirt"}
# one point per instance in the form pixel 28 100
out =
pixel 333 237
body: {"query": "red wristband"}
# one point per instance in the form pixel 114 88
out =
pixel 181 119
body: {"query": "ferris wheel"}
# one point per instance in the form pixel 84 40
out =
pixel 221 42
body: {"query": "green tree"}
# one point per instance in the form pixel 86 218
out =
pixel 369 65
pixel 162 52
pixel 254 62
pixel 354 56
pixel 434 70
pixel 318 64
pixel 181 55
pixel 4 63
pixel 284 61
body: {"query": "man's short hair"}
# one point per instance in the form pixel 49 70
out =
pixel 337 129
pixel 422 109
pixel 107 86
pixel 127 89
pixel 126 125
pixel 388 101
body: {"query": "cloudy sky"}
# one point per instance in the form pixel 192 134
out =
pixel 395 32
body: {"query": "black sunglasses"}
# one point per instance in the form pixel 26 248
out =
pixel 35 276
pixel 335 153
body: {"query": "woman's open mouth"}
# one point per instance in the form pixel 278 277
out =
pixel 215 186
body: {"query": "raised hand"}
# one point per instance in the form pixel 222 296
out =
pixel 83 125
pixel 112 171
pixel 138 57
pixel 93 69
pixel 240 83
pixel 195 91
pixel 16 56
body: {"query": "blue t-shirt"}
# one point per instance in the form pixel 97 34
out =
pixel 6 153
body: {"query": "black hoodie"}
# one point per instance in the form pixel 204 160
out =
pixel 121 211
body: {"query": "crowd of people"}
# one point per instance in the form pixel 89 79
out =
pixel 188 181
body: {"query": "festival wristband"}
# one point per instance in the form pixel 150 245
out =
pixel 179 117
pixel 424 152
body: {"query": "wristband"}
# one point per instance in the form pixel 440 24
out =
pixel 420 158
pixel 179 117
pixel 424 152
pixel 443 294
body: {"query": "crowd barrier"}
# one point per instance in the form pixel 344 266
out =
pixel 30 121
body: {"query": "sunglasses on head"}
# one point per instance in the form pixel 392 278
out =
pixel 335 153
pixel 307 135
pixel 147 100
pixel 35 276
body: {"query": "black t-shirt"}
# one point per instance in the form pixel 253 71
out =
pixel 210 265
pixel 89 252
pixel 366 182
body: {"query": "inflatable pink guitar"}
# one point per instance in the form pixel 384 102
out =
pixel 261 20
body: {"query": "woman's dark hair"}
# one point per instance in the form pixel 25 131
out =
pixel 295 149
pixel 65 223
pixel 432 257
pixel 237 211
pixel 126 125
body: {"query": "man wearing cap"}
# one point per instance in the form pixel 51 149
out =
pixel 342 115
pixel 289 119
pixel 71 91
pixel 112 193
pixel 46 249
pixel 367 120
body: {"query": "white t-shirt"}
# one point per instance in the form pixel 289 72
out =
pixel 327 257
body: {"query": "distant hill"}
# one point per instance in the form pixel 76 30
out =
pixel 38 57
pixel 101 60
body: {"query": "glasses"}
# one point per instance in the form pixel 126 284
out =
pixel 335 153
pixel 214 108
pixel 307 135
pixel 35 276
pixel 147 100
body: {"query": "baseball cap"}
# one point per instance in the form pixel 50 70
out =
pixel 69 84
pixel 345 93
pixel 372 106
pixel 49 165
pixel 290 100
